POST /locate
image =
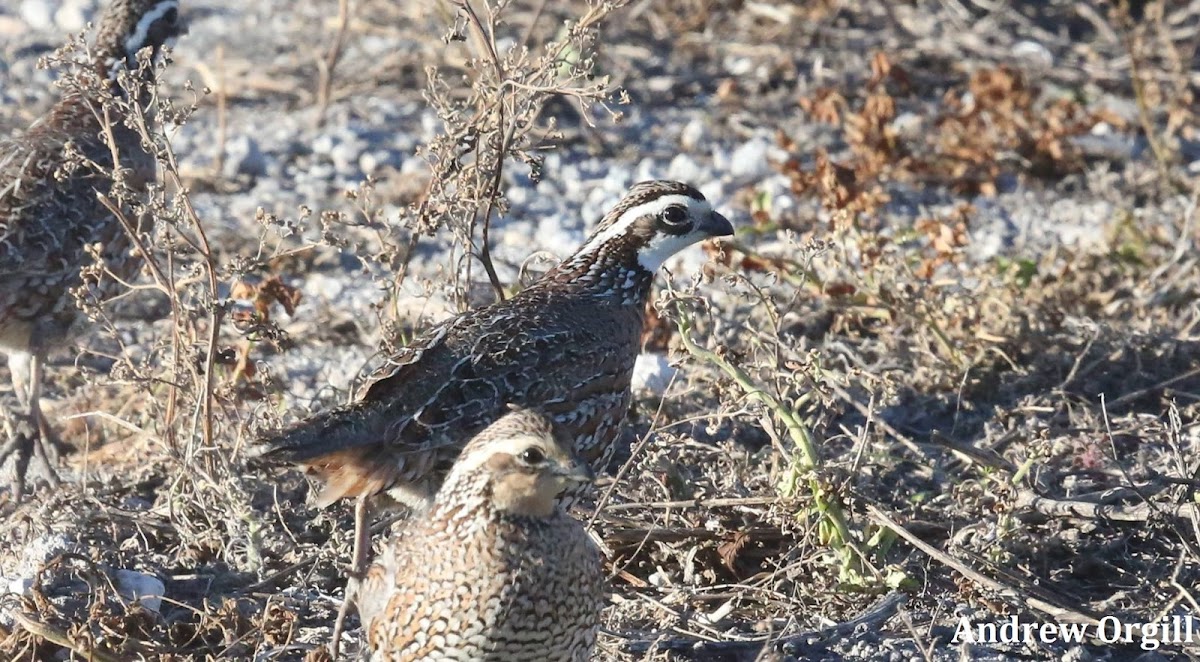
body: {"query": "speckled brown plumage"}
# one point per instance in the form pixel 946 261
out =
pixel 50 214
pixel 566 345
pixel 495 570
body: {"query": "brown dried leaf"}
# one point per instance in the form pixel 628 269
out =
pixel 825 106
pixel 274 289
pixel 729 550
pixel 881 68
pixel 839 290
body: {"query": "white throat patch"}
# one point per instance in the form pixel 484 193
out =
pixel 662 247
pixel 136 41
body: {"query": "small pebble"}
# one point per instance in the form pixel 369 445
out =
pixel 653 374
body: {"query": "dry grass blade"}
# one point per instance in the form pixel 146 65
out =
pixel 1055 608
pixel 958 317
pixel 60 637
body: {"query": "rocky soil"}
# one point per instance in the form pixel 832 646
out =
pixel 965 263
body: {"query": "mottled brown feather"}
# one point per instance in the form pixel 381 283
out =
pixel 495 570
pixel 566 344
pixel 49 215
pixel 53 225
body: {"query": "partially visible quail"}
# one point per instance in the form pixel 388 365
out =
pixel 495 569
pixel 50 214
pixel 566 344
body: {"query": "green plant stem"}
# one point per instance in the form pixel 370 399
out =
pixel 796 428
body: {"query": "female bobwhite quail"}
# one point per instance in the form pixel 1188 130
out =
pixel 566 344
pixel 51 216
pixel 495 569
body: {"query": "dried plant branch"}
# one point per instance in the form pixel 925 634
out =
pixel 496 121
pixel 57 636
pixel 1054 609
pixel 327 65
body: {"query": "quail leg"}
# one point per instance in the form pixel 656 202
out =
pixel 29 434
pixel 358 569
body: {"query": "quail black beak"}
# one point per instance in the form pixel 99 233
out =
pixel 578 472
pixel 716 225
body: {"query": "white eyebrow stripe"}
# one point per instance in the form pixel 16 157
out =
pixel 136 41
pixel 478 455
pixel 622 224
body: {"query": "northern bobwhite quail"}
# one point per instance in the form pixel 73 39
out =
pixel 50 215
pixel 566 345
pixel 496 569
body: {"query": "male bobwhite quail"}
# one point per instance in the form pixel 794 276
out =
pixel 566 345
pixel 496 569
pixel 50 215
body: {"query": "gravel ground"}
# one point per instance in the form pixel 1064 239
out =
pixel 957 315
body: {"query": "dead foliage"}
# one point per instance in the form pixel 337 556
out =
pixel 1003 432
pixel 996 123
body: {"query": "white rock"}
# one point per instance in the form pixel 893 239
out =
pixel 431 125
pixel 684 168
pixel 660 578
pixel 13 586
pixel 695 135
pixel 35 554
pixel 552 163
pixel 74 16
pixel 778 192
pixel 413 166
pixel 17 585
pixel 739 66
pixel 653 374
pixel 1033 52
pixel 748 163
pixel 908 125
pixel 517 195
pixel 146 589
pixel 721 158
pixel 20 575
pixel 716 193
pixel 322 286
pixel 345 155
pixel 617 180
pixel 324 143
pixel 647 169
pixel 505 44
pixel 11 26
pixel 38 14
pixel 243 157
pixel 374 161
pixel 572 181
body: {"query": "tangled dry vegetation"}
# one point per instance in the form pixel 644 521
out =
pixel 875 416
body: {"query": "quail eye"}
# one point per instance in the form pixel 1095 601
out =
pixel 674 215
pixel 532 456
